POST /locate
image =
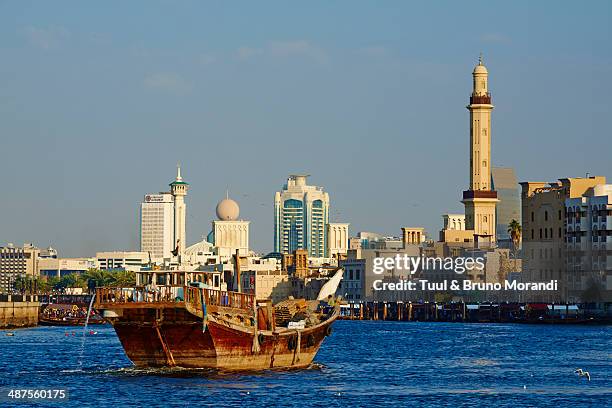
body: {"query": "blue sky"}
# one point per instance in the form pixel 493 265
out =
pixel 99 101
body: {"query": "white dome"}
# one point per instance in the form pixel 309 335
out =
pixel 228 210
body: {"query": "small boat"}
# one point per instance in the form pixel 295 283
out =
pixel 60 314
pixel 10 334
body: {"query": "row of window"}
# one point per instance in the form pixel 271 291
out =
pixel 560 215
pixel 547 233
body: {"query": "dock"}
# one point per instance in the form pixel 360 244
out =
pixel 476 312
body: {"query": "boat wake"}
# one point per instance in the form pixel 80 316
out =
pixel 182 372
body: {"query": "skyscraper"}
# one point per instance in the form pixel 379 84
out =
pixel 157 225
pixel 504 182
pixel 162 220
pixel 480 199
pixel 301 213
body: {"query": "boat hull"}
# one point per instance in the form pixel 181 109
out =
pixel 174 337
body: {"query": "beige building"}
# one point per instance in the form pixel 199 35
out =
pixel 480 200
pixel 588 231
pixel 267 284
pixel 543 224
pixel 228 231
pixel 337 239
pixel 453 229
pixel 17 262
pixel 59 267
pixel 127 260
pixel 413 236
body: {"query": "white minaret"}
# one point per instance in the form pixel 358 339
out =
pixel 178 188
pixel 480 200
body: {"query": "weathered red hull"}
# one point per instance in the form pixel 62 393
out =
pixel 174 337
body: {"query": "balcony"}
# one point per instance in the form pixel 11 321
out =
pixel 480 99
pixel 468 194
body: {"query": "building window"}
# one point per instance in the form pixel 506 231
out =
pixel 540 233
pixel 545 215
pixel 532 234
pixel 532 216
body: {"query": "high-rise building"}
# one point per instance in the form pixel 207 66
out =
pixel 16 263
pixel 157 225
pixel 162 220
pixel 504 182
pixel 480 199
pixel 301 214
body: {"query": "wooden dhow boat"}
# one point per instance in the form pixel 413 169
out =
pixel 195 326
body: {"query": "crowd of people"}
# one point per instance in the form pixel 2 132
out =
pixel 66 312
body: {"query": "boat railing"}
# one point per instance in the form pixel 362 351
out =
pixel 167 294
pixel 137 295
pixel 212 297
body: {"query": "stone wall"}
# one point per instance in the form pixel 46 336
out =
pixel 18 311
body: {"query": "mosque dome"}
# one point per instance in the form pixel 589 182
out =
pixel 228 210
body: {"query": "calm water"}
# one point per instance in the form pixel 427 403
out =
pixel 362 364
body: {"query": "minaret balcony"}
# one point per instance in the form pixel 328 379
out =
pixel 470 194
pixel 480 99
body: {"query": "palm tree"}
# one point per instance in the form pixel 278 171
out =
pixel 124 278
pixel 515 230
pixel 96 278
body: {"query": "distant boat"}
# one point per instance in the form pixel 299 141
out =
pixel 60 314
pixel 10 334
